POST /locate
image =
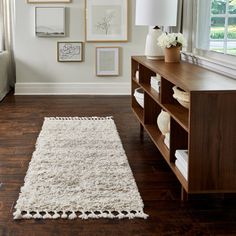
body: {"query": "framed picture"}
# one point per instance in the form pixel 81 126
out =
pixel 48 1
pixel 107 61
pixel 50 21
pixel 106 20
pixel 69 51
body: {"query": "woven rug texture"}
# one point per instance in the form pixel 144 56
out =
pixel 79 169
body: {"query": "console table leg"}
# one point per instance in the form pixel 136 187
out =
pixel 141 131
pixel 184 195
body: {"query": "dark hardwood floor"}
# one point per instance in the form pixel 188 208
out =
pixel 21 118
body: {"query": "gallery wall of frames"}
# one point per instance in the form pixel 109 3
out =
pixel 75 47
pixel 105 22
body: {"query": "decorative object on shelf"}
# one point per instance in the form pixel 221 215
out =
pixel 139 96
pixel 69 51
pixel 107 61
pixel 156 13
pixel 172 54
pixel 163 121
pixel 156 83
pixel 182 97
pixel 182 162
pixel 172 43
pixel 167 140
pixel 50 21
pixel 106 20
pixel 137 75
pixel 49 1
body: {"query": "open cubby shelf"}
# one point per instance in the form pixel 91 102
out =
pixel 207 129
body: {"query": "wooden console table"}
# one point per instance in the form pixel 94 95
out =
pixel 207 130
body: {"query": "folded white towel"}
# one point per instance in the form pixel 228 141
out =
pixel 183 170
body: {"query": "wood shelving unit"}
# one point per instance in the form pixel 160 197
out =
pixel 207 130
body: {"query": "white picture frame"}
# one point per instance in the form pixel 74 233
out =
pixel 107 61
pixel 70 51
pixel 50 21
pixel 49 1
pixel 106 20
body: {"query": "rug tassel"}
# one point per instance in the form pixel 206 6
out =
pixel 72 216
pixel 27 215
pixel 110 215
pixel 120 215
pixel 141 214
pixel 130 215
pixel 47 216
pixel 93 215
pixel 37 215
pixel 79 118
pixel 64 215
pixel 56 215
pixel 83 216
pixel 103 215
pixel 17 215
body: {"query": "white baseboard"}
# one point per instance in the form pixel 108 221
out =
pixel 72 89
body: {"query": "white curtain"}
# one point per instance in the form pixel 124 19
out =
pixel 203 24
pixel 6 35
pixel 196 23
pixel 188 19
pixel 178 27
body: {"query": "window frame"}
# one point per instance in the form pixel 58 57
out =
pixel 222 63
pixel 226 17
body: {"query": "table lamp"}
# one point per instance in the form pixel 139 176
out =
pixel 155 13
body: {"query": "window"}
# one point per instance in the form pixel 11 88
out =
pixel 216 26
pixel 223 26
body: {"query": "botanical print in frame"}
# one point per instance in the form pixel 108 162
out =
pixel 50 21
pixel 69 51
pixel 107 61
pixel 48 1
pixel 106 20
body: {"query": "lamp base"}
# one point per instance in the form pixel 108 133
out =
pixel 152 50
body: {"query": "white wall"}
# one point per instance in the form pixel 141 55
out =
pixel 38 71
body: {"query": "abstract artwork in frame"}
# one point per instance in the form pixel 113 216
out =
pixel 106 20
pixel 50 21
pixel 48 1
pixel 69 51
pixel 107 61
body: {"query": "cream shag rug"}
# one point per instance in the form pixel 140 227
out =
pixel 79 170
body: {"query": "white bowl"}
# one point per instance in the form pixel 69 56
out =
pixel 139 96
pixel 182 97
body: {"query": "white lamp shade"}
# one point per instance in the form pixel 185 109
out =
pixel 156 12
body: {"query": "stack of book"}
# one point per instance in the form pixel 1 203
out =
pixel 182 162
pixel 156 82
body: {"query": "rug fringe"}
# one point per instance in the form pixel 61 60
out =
pixel 80 118
pixel 84 215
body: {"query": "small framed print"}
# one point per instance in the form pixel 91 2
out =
pixel 106 20
pixel 107 61
pixel 69 51
pixel 48 1
pixel 50 21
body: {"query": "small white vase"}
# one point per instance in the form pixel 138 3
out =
pixel 163 122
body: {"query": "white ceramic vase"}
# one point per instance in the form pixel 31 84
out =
pixel 163 122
